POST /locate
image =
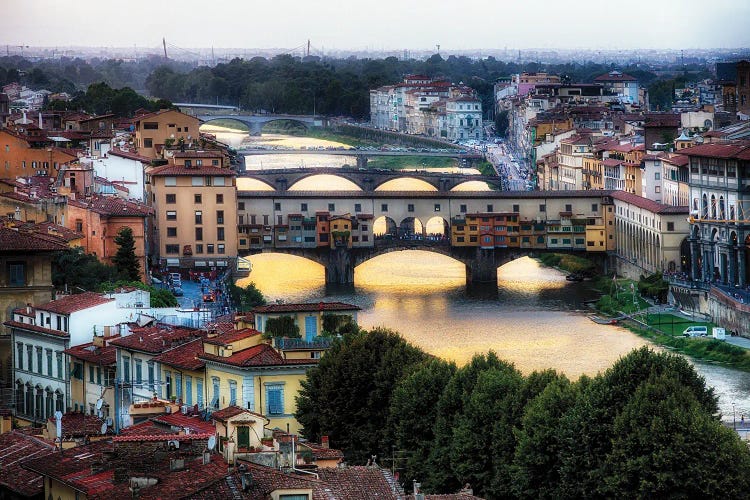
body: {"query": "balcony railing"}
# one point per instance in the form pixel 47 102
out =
pixel 317 343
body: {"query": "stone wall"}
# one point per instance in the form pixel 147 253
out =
pixel 728 314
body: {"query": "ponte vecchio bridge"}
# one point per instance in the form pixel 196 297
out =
pixel 335 228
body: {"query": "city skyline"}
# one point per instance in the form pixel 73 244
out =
pixel 390 25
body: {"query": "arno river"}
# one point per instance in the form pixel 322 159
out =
pixel 534 318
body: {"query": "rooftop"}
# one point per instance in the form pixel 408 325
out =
pixel 184 356
pixel 157 339
pixel 16 447
pixel 75 303
pixel 646 204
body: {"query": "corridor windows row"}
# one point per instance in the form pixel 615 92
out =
pixel 38 360
pixel 210 248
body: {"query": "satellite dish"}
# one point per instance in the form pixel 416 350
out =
pixel 104 428
pixel 212 442
pixel 99 403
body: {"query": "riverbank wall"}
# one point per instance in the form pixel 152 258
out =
pixel 729 314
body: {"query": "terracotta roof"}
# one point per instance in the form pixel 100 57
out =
pixel 232 411
pixel 739 150
pixel 162 437
pixel 184 356
pixel 612 162
pixel 180 170
pixel 650 205
pixel 322 453
pixel 79 425
pixel 259 355
pixel 14 240
pixel 104 356
pixel 113 206
pixel 306 307
pixel 156 339
pixel 52 229
pixel 196 424
pixel 17 447
pixel 74 303
pixel 73 467
pixel 131 155
pixel 615 76
pixel 662 120
pixel 232 336
pixel 37 329
pixel 197 154
pixel 677 159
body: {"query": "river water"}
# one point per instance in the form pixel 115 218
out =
pixel 533 317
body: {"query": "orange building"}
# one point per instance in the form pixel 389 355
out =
pixel 100 218
pixel 18 157
pixel 323 229
pixel 166 127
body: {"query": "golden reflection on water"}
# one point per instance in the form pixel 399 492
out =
pixel 422 295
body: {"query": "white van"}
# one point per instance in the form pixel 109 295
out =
pixel 695 331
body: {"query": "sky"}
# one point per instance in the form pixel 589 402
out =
pixel 379 24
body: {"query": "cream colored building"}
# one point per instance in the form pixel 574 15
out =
pixel 156 130
pixel 196 207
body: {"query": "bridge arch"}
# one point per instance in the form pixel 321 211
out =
pixel 410 228
pixel 236 119
pixel 406 183
pixel 303 182
pixel 437 226
pixel 471 185
pixel 282 119
pixel 383 226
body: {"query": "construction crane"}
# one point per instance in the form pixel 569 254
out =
pixel 164 43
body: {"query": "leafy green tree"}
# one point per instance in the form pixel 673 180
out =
pixel 338 324
pixel 246 298
pixel 348 395
pixel 79 271
pixel 412 415
pixel 536 465
pixel 125 260
pixel 502 123
pixel 283 326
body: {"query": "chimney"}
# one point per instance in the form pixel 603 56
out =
pixel 324 442
pixel 40 120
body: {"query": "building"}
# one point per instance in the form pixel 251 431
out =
pixel 308 317
pixel 40 336
pixel 622 85
pixel 162 129
pixel 182 373
pixel 94 368
pixel 27 154
pixel 196 214
pixel 463 116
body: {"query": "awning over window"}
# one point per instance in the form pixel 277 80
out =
pixel 173 262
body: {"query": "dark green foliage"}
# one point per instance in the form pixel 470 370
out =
pixel 246 298
pixel 412 415
pixel 80 271
pixel 283 326
pixel 654 286
pixel 338 324
pixel 501 123
pixel 128 267
pixel 348 395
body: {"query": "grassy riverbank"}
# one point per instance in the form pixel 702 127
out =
pixel 566 262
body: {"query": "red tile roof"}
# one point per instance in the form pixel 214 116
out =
pixel 156 339
pixel 203 170
pixel 232 336
pixel 131 155
pixel 114 206
pixel 650 205
pixel 37 329
pixel 104 356
pixel 232 411
pixel 357 483
pixel 79 425
pixel 321 453
pixel 615 76
pixel 73 467
pixel 306 307
pixel 184 357
pixel 74 303
pixel 16 447
pixel 162 437
pixel 739 150
pixel 259 355
pixel 197 154
pixel 196 424
pixel 14 240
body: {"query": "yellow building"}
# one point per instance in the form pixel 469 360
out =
pixel 308 317
pixel 96 362
pixel 196 215
pixel 341 230
pixel 243 371
pixel 165 127
pixel 183 374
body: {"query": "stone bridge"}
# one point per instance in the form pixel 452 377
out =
pixel 481 263
pixel 256 122
pixel 367 180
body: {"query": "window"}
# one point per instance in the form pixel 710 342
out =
pixel 39 365
pixel 215 163
pixel 215 392
pixel 150 370
pixel 437 207
pixel 78 371
pixel 60 371
pixel 196 181
pixel 198 198
pixel 232 393
pixel 657 189
pixel 79 225
pixel 199 217
pixel 150 125
pixel 168 384
pixel 516 208
pixel 17 273
pixel 171 198
pixel 148 143
pixel 357 207
pixel 170 181
pixel 126 368
pixel 178 384
pixel 331 207
pixel 568 207
pixel 220 198
pixel 220 233
pixel 462 209
pixel 220 248
pixel 384 207
pixel 210 248
pixel 670 226
pixel 19 355
pixel 490 207
pixel 303 207
pixel 188 163
pixel 220 216
pixel 138 371
pixel 188 390
pixel 91 374
pixel 199 248
pixel 173 249
pixel 241 205
pixel 172 232
pixel 198 233
pixel 410 207
pixel 99 375
pixel 542 207
pixel 275 399
pixel 657 176
pixel 277 206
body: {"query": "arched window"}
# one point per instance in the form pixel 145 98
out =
pixel 731 212
pixel 722 210
pixel 704 211
pixel 713 207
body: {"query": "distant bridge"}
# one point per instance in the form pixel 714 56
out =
pixel 256 122
pixel 366 179
pixel 359 152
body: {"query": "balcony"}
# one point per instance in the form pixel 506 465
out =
pixel 294 344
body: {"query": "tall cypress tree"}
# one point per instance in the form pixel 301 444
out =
pixel 125 260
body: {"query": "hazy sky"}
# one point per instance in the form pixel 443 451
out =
pixel 379 24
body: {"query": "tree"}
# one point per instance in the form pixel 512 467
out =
pixel 246 298
pixel 125 260
pixel 502 123
pixel 283 326
pixel 348 395
pixel 338 324
pixel 77 270
pixel 412 415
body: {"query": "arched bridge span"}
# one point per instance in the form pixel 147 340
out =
pixel 256 122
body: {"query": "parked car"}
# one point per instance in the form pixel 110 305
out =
pixel 695 331
pixel 177 291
